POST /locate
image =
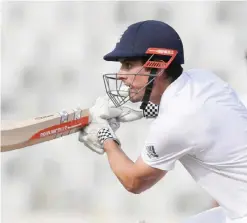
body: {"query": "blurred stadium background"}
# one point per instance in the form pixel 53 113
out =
pixel 52 59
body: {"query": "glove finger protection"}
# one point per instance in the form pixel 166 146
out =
pixel 94 135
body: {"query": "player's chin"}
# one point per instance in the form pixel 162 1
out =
pixel 135 97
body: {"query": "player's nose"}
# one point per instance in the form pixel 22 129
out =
pixel 122 76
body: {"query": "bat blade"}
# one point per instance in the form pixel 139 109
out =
pixel 42 129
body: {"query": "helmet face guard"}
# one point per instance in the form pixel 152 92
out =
pixel 118 92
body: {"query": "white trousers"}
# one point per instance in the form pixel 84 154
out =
pixel 214 215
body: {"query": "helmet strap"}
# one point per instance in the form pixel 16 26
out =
pixel 148 89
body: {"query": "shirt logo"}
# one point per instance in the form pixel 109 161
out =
pixel 151 152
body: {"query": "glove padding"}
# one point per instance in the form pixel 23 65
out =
pixel 131 111
pixel 93 135
pixel 103 116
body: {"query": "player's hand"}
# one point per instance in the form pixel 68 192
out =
pixel 94 135
pixel 131 111
pixel 104 108
pixel 103 125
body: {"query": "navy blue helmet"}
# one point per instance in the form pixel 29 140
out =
pixel 143 35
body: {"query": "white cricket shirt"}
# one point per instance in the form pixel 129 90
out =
pixel 203 124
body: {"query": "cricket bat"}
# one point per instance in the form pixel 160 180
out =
pixel 41 129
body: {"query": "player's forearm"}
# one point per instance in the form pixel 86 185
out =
pixel 121 165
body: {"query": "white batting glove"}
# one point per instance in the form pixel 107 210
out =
pixel 105 109
pixel 103 125
pixel 94 135
pixel 131 111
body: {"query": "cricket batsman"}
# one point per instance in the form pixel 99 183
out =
pixel 198 120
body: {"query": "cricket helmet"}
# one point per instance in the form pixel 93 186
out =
pixel 151 40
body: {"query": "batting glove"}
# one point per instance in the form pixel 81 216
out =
pixel 94 135
pixel 102 127
pixel 131 111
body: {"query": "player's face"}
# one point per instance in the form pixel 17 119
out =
pixel 127 74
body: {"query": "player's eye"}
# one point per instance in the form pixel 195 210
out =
pixel 127 66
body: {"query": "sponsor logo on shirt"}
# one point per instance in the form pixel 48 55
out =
pixel 151 152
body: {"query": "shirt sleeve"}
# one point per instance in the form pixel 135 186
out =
pixel 168 140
